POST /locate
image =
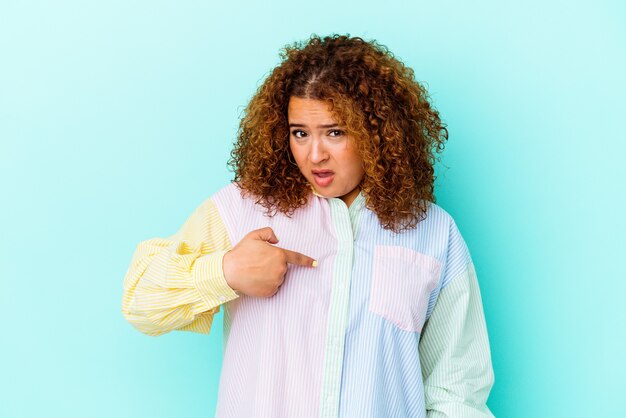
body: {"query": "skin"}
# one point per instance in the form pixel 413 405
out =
pixel 328 159
pixel 255 267
pixel 316 147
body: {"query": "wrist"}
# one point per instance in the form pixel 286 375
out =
pixel 226 271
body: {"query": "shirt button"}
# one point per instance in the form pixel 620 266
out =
pixel 222 298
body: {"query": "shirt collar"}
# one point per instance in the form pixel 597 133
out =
pixel 357 203
pixel 313 190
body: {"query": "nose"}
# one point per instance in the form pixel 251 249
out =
pixel 318 151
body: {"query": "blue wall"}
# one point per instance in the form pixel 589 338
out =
pixel 117 117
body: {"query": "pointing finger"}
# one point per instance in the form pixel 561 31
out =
pixel 294 257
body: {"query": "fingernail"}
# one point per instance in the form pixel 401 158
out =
pixel 314 263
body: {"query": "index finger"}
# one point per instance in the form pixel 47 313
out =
pixel 294 257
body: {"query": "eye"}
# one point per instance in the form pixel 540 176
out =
pixel 339 132
pixel 295 133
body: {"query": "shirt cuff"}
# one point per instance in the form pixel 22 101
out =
pixel 210 281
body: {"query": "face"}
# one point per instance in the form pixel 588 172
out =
pixel 325 155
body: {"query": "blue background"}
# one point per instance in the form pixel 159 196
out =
pixel 117 118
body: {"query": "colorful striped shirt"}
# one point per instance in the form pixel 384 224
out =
pixel 388 325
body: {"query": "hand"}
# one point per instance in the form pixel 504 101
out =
pixel 256 268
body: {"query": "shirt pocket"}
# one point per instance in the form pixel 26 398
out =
pixel 402 281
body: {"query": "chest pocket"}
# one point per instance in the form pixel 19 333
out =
pixel 402 281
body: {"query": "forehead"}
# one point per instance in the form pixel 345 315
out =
pixel 301 108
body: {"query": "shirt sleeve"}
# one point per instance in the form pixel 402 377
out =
pixel 177 283
pixel 455 353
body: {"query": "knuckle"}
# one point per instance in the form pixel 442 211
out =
pixel 282 270
pixel 270 291
pixel 281 257
pixel 276 282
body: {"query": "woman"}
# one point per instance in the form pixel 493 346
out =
pixel 346 290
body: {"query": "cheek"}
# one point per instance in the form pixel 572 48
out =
pixel 355 164
pixel 358 173
pixel 297 153
pixel 301 163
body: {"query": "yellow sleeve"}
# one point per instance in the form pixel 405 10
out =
pixel 177 283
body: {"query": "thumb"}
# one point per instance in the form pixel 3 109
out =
pixel 265 234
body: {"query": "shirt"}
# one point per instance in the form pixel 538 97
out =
pixel 388 325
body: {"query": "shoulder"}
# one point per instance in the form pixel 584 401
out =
pixel 229 191
pixel 444 220
pixel 438 211
pixel 437 219
pixel 232 196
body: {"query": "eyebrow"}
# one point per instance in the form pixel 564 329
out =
pixel 299 125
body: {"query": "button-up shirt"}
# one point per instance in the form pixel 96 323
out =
pixel 388 325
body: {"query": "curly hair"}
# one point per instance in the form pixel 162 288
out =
pixel 375 96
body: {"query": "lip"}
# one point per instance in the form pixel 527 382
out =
pixel 323 177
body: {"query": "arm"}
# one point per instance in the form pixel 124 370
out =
pixel 177 283
pixel 455 354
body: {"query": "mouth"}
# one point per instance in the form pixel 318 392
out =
pixel 323 177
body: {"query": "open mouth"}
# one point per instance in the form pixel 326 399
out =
pixel 323 177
